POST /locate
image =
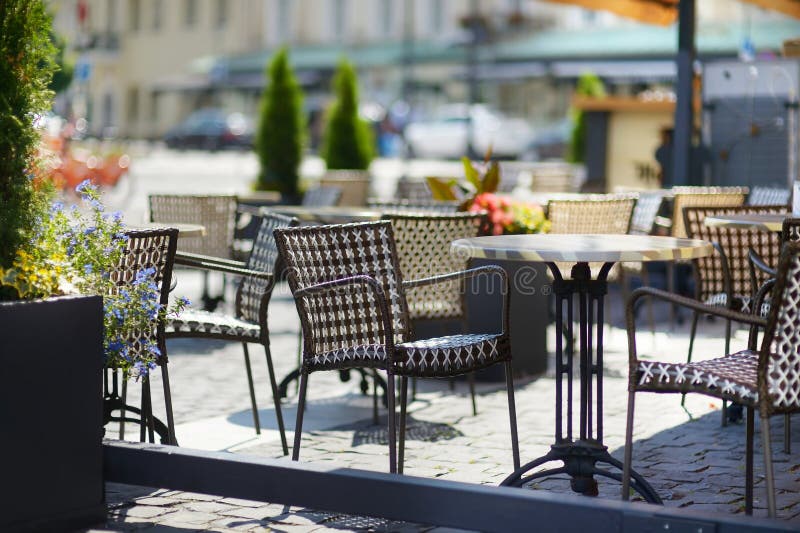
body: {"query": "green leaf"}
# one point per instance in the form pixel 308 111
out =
pixel 492 178
pixel 471 173
pixel 442 190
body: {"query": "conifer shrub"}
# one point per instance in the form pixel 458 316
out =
pixel 348 142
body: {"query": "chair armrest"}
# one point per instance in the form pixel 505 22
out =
pixel 466 274
pixel 372 284
pixel 760 264
pixel 218 264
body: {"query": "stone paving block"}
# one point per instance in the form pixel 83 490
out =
pixel 241 503
pixel 263 512
pixel 154 500
pixel 144 511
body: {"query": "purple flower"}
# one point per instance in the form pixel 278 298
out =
pixel 57 207
pixel 84 186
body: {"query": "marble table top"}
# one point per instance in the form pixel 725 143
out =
pixel 327 215
pixel 547 247
pixel 184 229
pixel 757 221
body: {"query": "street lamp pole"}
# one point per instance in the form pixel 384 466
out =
pixel 472 73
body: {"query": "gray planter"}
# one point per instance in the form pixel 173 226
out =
pixel 529 305
pixel 51 412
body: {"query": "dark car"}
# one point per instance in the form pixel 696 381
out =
pixel 211 129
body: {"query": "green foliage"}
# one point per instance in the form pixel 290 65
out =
pixel 348 141
pixel 26 68
pixel 588 85
pixel 484 178
pixel 65 68
pixel 281 128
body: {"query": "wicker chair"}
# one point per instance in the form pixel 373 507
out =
pixel 249 323
pixel 217 213
pixel 413 190
pixel 353 183
pixel 697 197
pixel 765 379
pixel 418 206
pixel 322 196
pixel 145 249
pixel 422 249
pixel 724 279
pixel 350 295
pixel 769 196
pixel 594 214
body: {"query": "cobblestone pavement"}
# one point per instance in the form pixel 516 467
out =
pixel 688 457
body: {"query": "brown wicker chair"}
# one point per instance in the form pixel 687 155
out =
pixel 144 249
pixel 217 213
pixel 351 298
pixel 249 323
pixel 354 185
pixel 765 379
pixel 322 196
pixel 422 244
pixel 432 207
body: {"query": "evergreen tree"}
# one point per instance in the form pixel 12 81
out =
pixel 588 85
pixel 26 68
pixel 281 128
pixel 348 142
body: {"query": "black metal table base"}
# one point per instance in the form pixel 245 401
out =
pixel 580 463
pixel 580 455
pixel 114 400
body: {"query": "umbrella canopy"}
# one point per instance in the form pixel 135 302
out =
pixel 664 12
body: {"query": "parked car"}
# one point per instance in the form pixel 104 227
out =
pixel 212 129
pixel 445 134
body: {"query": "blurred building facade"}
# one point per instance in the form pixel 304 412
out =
pixel 143 65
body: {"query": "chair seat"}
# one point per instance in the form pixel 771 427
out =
pixel 733 377
pixel 452 355
pixel 438 357
pixel 199 323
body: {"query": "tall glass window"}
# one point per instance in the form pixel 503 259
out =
pixel 134 13
pixel 284 20
pixel 339 18
pixel 158 14
pixel 221 14
pixel 190 12
pixel 436 16
pixel 386 17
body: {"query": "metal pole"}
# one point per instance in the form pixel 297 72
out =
pixel 472 73
pixel 684 112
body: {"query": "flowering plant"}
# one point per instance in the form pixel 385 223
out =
pixel 74 251
pixel 509 216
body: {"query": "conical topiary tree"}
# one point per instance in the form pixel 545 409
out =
pixel 26 68
pixel 281 128
pixel 348 141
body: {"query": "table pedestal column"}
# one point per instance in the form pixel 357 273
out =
pixel 580 456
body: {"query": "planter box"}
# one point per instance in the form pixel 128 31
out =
pixel 51 412
pixel 528 314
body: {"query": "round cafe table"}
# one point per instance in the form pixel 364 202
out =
pixel 756 221
pixel 580 455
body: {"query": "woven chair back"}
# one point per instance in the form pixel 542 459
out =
pixel 423 248
pixel 348 317
pixel 322 196
pixel 264 257
pixel 735 243
pixel 413 190
pixel 148 249
pixel 415 207
pixel 595 214
pixel 779 363
pixel 217 213
pixel 645 212
pixel 769 196
pixel 702 197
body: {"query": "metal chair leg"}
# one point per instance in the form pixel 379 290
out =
pixel 168 405
pixel 403 412
pixel 122 409
pixel 693 332
pixel 748 484
pixel 375 397
pixel 276 399
pixel 512 414
pixel 628 457
pixel 413 389
pixel 787 433
pixel 253 404
pixel 392 429
pixel 767 445
pixel 471 379
pixel 650 313
pixel 298 426
pixel 673 310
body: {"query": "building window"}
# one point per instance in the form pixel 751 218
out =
pixel 386 17
pixel 436 16
pixel 133 104
pixel 190 12
pixel 158 14
pixel 134 13
pixel 221 14
pixel 111 16
pixel 154 106
pixel 339 18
